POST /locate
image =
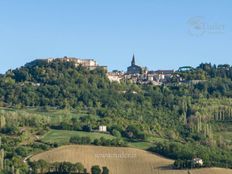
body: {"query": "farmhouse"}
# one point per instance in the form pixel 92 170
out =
pixel 198 161
pixel 102 129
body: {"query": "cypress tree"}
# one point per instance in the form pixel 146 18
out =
pixel 1 159
pixel 2 121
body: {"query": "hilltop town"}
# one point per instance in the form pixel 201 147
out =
pixel 141 75
pixel 134 74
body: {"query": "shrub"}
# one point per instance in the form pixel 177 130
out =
pixel 116 133
pixel 95 170
pixel 80 140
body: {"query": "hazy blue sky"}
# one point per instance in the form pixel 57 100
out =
pixel 163 34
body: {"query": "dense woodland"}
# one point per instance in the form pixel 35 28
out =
pixel 184 114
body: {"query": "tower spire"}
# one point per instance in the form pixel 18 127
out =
pixel 133 60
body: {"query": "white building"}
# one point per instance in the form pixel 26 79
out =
pixel 102 129
pixel 198 161
pixel 116 76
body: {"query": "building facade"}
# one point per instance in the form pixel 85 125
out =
pixel 102 129
pixel 134 69
pixel 91 64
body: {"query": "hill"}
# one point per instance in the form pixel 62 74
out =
pixel 179 120
pixel 131 160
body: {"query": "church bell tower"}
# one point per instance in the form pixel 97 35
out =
pixel 133 60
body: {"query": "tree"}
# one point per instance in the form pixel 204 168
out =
pixel 87 128
pixel 95 170
pixel 2 121
pixel 134 132
pixel 116 133
pixel 34 166
pixel 105 170
pixel 22 151
pixel 42 165
pixel 80 140
pixel 66 167
pixel 1 159
pixel 79 167
pixel 10 129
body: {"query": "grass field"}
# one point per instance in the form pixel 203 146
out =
pixel 63 136
pixel 119 160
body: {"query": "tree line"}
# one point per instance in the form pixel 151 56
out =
pixel 43 167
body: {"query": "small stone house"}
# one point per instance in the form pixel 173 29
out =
pixel 102 128
pixel 198 161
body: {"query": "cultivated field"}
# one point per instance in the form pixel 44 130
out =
pixel 119 160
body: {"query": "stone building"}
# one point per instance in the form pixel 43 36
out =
pixel 134 69
pixel 102 128
pixel 91 64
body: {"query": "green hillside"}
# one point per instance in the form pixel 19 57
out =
pixel 180 119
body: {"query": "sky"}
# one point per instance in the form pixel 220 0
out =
pixel 163 34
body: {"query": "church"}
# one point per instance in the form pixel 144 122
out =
pixel 134 69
